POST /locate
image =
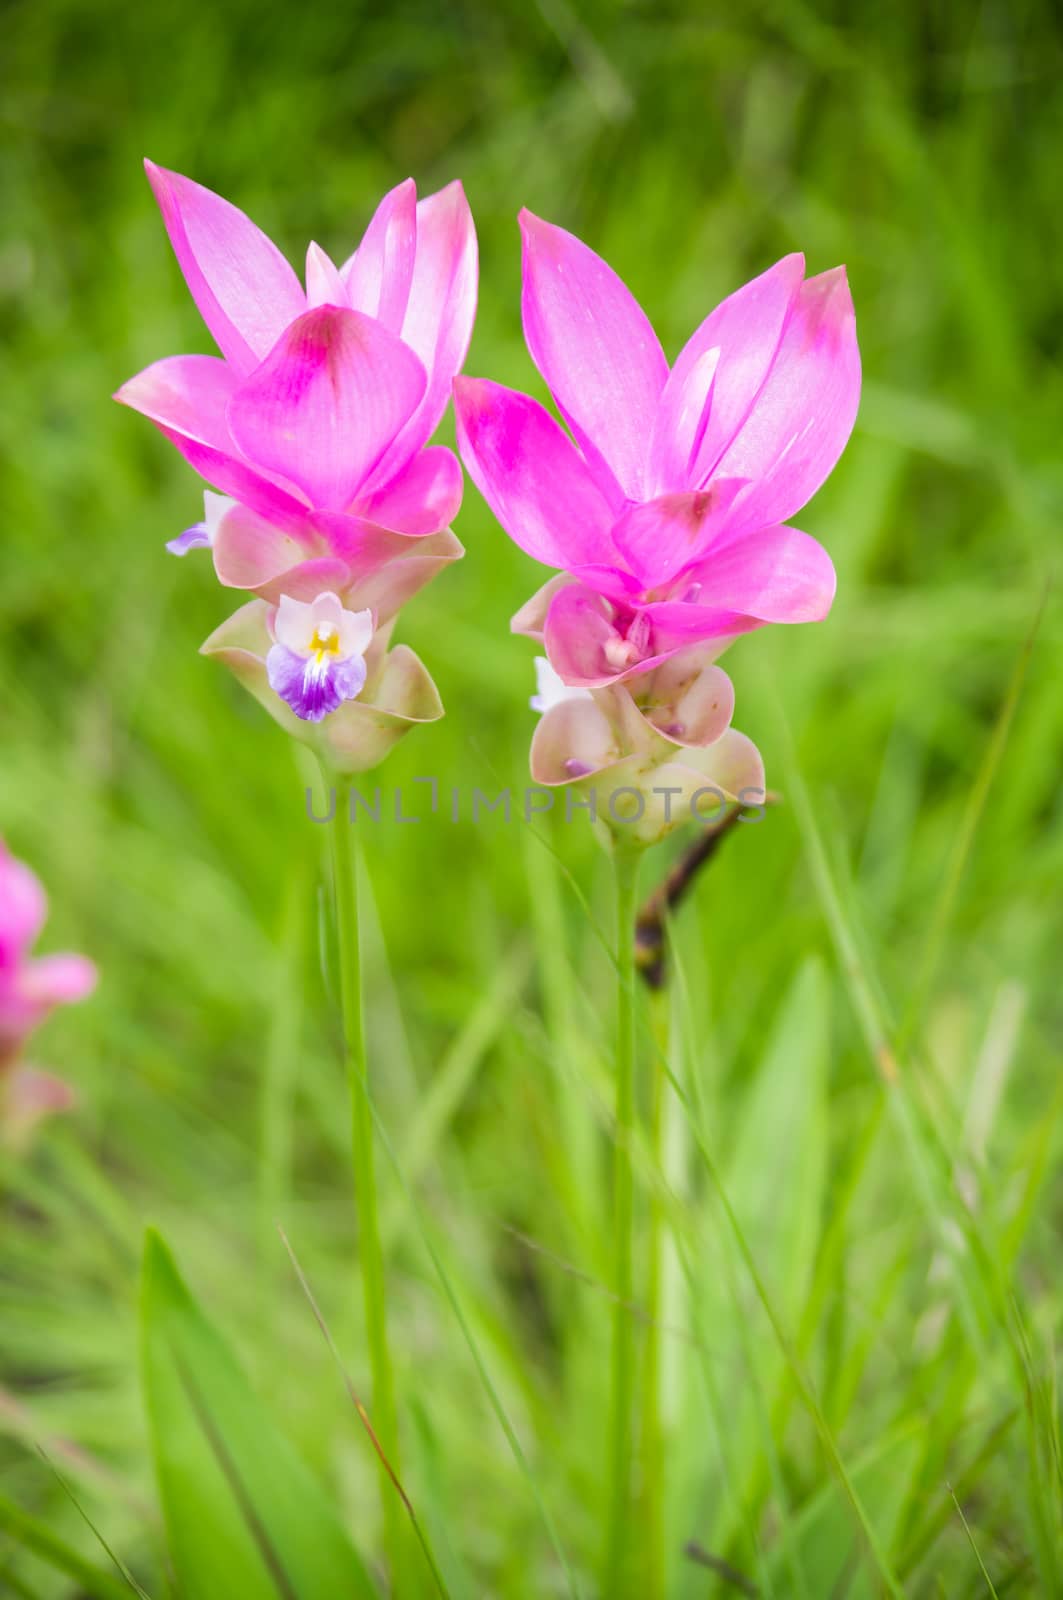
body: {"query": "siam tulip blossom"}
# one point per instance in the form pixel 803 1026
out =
pixel 665 507
pixel 30 988
pixel 651 753
pixel 312 428
pixel 317 415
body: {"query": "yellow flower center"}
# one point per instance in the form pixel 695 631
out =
pixel 326 641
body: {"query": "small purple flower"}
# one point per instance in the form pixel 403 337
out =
pixel 318 657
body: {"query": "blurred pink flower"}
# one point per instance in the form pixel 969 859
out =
pixel 30 987
pixel 666 508
pixel 317 416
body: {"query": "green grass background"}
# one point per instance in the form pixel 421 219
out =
pixel 901 906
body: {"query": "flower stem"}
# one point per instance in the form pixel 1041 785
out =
pixel 382 1410
pixel 617 1573
pixel 653 1455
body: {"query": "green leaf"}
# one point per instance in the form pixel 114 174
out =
pixel 243 1515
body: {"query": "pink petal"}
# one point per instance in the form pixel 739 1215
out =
pixel 187 394
pixel 58 980
pixel 804 413
pixel 774 575
pixel 187 397
pixel 531 475
pixel 422 498
pixel 327 402
pixel 440 314
pixel 660 537
pixel 595 347
pixel 675 625
pixel 580 636
pixel 681 422
pixel 718 375
pixel 589 649
pixel 324 286
pixel 377 276
pixel 250 551
pixel 23 908
pixel 245 290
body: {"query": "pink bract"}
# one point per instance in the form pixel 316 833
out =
pixel 317 415
pixel 666 503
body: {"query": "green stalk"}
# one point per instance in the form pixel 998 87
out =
pixel 382 1410
pixel 617 1571
pixel 652 1434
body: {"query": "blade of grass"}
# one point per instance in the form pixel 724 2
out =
pixel 38 1537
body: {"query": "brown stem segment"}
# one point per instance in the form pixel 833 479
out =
pixel 651 922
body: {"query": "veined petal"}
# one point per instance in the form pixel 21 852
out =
pixel 245 290
pixel 531 475
pixel 327 402
pixel 595 347
pixel 324 286
pixel 774 575
pixel 803 415
pixel 660 537
pixel 187 398
pixel 377 276
pixel 422 498
pixel 313 688
pixel 439 314
pixel 718 375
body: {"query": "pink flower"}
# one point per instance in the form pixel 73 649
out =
pixel 667 506
pixel 29 989
pixel 314 422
